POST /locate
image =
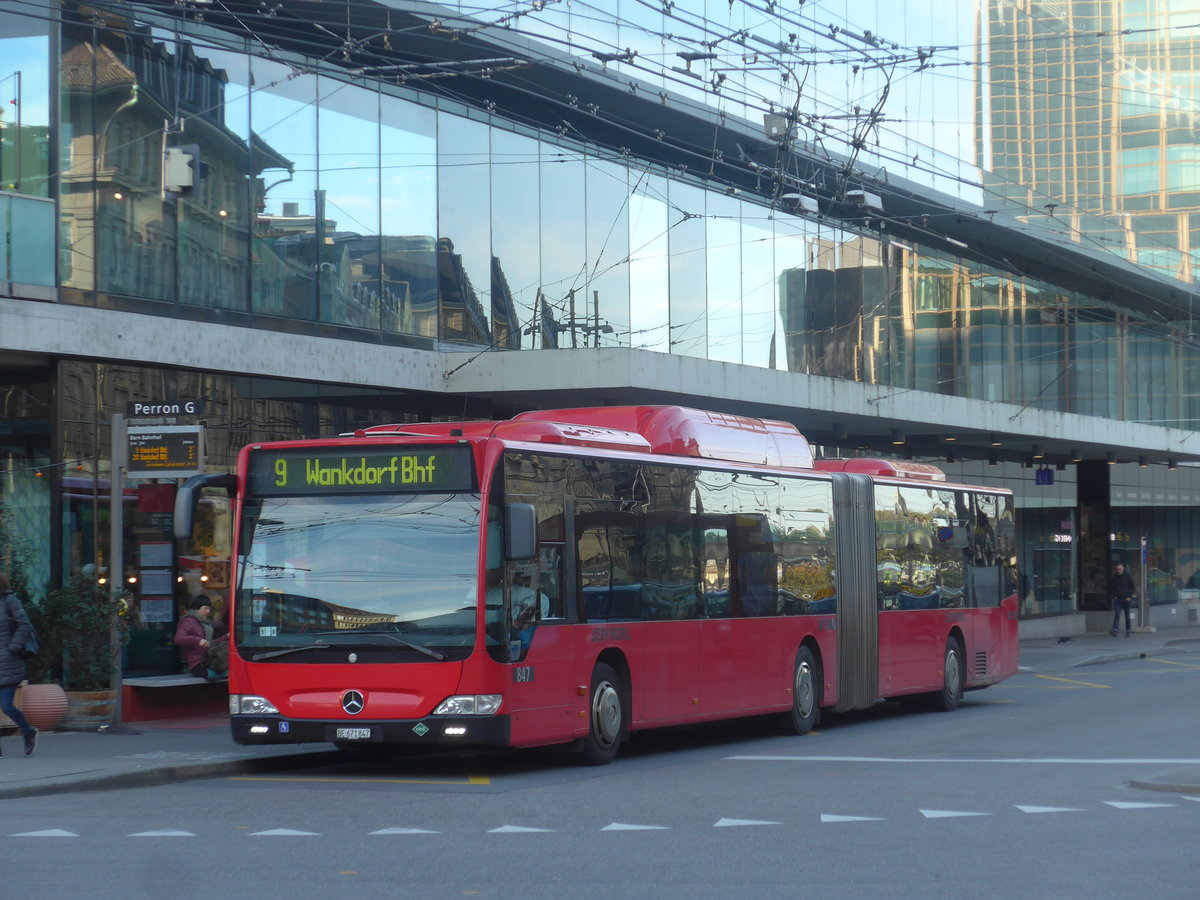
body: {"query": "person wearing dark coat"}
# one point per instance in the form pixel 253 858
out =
pixel 15 630
pixel 195 635
pixel 1122 589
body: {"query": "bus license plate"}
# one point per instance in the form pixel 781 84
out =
pixel 354 734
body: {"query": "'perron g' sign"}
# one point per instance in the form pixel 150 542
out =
pixel 165 451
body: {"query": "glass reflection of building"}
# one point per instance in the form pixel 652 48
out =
pixel 1108 156
pixel 347 203
pixel 1113 147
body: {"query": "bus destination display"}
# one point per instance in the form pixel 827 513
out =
pixel 344 470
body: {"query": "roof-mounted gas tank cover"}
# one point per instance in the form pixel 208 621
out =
pixel 883 468
pixel 542 432
pixel 681 431
pixel 669 430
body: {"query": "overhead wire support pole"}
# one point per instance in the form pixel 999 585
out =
pixel 116 549
pixel 1143 600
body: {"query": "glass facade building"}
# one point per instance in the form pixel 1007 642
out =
pixel 630 180
pixel 1114 145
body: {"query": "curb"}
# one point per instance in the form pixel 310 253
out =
pixel 159 775
pixel 1167 788
pixel 1133 654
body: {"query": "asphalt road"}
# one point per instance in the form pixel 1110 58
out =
pixel 1030 789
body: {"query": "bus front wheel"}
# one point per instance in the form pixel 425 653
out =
pixel 806 695
pixel 606 717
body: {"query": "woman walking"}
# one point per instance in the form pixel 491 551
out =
pixel 15 632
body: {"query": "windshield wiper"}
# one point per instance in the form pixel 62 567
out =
pixel 428 651
pixel 286 650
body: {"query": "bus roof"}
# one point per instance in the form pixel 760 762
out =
pixel 666 430
pixel 882 468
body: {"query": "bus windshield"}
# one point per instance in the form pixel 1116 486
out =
pixel 389 572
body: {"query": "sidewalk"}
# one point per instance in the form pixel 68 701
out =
pixel 140 754
pixel 1094 648
pixel 1097 648
pixel 158 752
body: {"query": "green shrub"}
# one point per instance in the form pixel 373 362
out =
pixel 86 614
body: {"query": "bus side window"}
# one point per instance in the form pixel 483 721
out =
pixel 985 574
pixel 595 573
pixel 757 584
pixel 550 579
pixel 668 570
pixel 715 573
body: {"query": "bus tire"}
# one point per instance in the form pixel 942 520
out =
pixel 947 699
pixel 806 695
pixel 606 717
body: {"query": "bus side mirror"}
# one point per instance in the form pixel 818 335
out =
pixel 520 531
pixel 188 497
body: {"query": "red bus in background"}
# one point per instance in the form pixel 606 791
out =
pixel 576 575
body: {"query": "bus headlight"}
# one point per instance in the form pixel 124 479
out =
pixel 469 705
pixel 250 705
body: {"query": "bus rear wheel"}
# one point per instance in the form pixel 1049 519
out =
pixel 947 699
pixel 606 717
pixel 806 695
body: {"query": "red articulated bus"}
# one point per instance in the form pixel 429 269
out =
pixel 577 575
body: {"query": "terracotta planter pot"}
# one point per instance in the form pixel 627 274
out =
pixel 44 705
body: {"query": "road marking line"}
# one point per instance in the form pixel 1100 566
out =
pixel 470 780
pixel 284 832
pixel 404 831
pixel 737 823
pixel 1125 804
pixel 948 814
pixel 166 832
pixel 518 829
pixel 828 817
pixel 621 826
pixel 1069 761
pixel 1171 662
pixel 1073 681
pixel 49 832
pixel 1048 809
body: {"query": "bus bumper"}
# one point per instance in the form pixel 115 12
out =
pixel 432 731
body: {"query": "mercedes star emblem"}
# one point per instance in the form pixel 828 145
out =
pixel 352 702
